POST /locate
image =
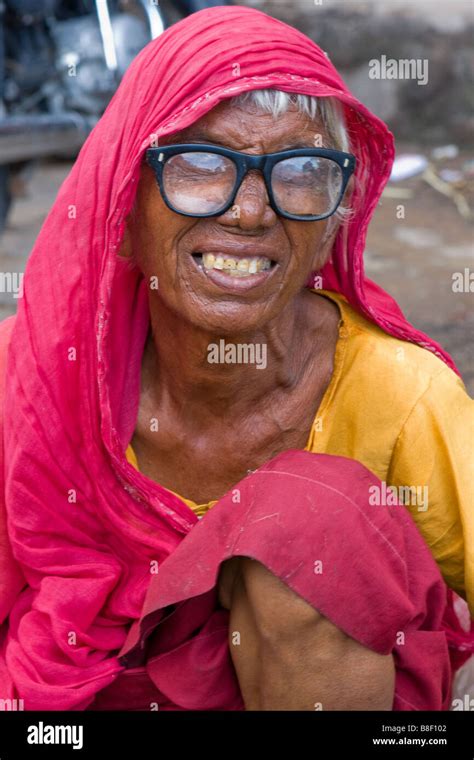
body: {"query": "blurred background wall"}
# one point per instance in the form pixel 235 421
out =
pixel 355 32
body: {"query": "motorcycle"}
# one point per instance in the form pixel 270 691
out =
pixel 60 63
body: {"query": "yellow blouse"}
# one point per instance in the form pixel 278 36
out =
pixel 406 416
pixel 199 509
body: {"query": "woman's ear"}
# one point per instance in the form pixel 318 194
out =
pixel 326 243
pixel 329 238
pixel 333 224
pixel 347 198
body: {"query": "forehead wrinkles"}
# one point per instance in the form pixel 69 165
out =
pixel 247 128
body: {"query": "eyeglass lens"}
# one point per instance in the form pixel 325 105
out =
pixel 202 183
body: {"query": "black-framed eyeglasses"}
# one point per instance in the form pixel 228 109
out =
pixel 305 184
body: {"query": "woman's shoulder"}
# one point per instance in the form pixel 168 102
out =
pixel 390 368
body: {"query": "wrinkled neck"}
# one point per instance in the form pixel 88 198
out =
pixel 188 363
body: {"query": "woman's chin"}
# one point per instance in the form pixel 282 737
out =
pixel 227 318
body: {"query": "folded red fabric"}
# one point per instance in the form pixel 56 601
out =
pixel 307 518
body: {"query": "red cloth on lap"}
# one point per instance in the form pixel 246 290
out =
pixel 307 518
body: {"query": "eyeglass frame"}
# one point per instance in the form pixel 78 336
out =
pixel 156 158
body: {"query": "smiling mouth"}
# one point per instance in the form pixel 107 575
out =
pixel 234 266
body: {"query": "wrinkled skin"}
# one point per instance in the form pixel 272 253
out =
pixel 217 421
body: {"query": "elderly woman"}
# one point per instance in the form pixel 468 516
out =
pixel 235 476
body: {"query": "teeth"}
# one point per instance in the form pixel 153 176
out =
pixel 236 267
pixel 208 260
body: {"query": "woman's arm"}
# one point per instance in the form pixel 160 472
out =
pixel 435 454
pixel 287 656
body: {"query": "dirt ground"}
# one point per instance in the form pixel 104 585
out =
pixel 413 258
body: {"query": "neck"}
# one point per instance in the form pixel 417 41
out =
pixel 198 368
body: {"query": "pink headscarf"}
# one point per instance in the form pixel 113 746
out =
pixel 84 525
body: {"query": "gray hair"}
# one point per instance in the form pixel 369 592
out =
pixel 327 112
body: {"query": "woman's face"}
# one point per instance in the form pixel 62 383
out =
pixel 163 242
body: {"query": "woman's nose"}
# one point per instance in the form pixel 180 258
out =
pixel 251 207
